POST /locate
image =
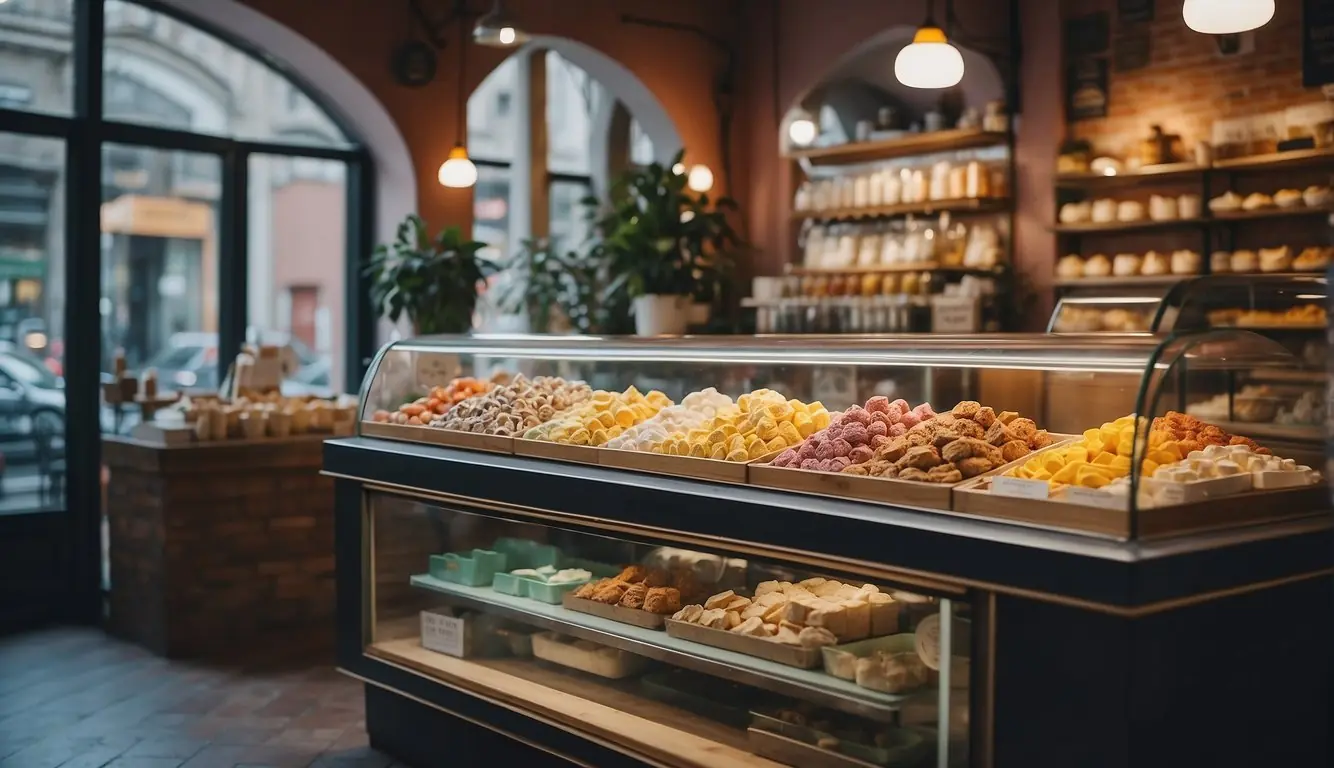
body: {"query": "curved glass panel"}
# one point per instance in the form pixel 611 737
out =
pixel 1104 314
pixel 1253 302
pixel 1193 399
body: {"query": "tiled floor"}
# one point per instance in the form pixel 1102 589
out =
pixel 79 699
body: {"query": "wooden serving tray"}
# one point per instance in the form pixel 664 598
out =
pixel 545 449
pixel 1258 506
pixel 472 441
pixel 882 490
pixel 790 655
pixel 716 470
pixel 633 616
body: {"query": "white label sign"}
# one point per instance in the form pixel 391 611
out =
pixel 955 314
pixel 1020 488
pixel 442 634
pixel 1092 497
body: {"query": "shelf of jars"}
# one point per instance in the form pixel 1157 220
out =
pixel 926 208
pixel 1163 172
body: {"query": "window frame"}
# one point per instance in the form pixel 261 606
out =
pixel 85 130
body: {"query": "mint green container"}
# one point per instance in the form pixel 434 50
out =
pixel 472 569
pixel 524 553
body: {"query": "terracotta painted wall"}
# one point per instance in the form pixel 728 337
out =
pixel 677 67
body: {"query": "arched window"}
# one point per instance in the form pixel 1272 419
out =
pixel 590 135
pixel 209 194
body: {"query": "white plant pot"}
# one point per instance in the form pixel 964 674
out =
pixel 661 314
pixel 699 313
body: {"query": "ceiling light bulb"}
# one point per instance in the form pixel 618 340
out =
pixel 678 169
pixel 929 61
pixel 498 29
pixel 458 171
pixel 1227 17
pixel 701 178
pixel 802 130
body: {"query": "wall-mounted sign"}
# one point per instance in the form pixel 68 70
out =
pixel 1132 48
pixel 1087 35
pixel 1134 10
pixel 1317 43
pixel 1086 89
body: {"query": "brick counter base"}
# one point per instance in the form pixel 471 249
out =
pixel 216 547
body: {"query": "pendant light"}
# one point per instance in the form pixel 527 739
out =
pixel 929 61
pixel 458 171
pixel 802 129
pixel 498 29
pixel 700 178
pixel 1227 17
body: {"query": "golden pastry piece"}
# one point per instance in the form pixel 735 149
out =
pixel 945 473
pixel 1022 429
pixel 921 457
pixel 1040 439
pixel 662 600
pixel 856 469
pixel 690 613
pixel 974 466
pixel 1014 450
pixel 894 449
pixel 913 473
pixel 999 434
pixel 969 428
pixel 966 409
pixel 610 592
pixel 587 590
pixel 964 448
pixel 984 417
pixel 634 596
pixel 632 574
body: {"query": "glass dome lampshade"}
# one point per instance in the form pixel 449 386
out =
pixel 929 61
pixel 458 172
pixel 1227 17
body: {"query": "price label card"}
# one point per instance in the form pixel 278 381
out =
pixel 442 633
pixel 1020 488
pixel 955 314
pixel 1092 497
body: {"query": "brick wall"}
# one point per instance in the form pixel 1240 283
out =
pixel 1187 85
pixel 216 548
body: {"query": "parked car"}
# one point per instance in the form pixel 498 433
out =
pixel 31 397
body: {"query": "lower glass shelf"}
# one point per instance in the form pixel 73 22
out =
pixel 811 685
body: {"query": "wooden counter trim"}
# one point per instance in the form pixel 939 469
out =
pixel 662 744
pixel 269 453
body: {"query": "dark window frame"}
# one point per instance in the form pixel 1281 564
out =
pixel 85 130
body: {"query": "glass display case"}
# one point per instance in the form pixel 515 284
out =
pixel 667 636
pixel 763 551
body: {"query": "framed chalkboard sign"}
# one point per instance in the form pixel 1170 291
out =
pixel 1317 43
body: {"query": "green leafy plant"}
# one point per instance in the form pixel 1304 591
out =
pixel 433 281
pixel 540 280
pixel 659 237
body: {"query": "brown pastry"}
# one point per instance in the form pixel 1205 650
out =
pixel 690 613
pixel 1040 439
pixel 922 457
pixel 999 434
pixel 610 592
pixel 945 473
pixel 913 473
pixel 632 574
pixel 856 469
pixel 985 417
pixel 662 600
pixel 965 447
pixel 634 596
pixel 1022 429
pixel 944 437
pixel 974 466
pixel 967 428
pixel 966 409
pixel 1015 449
pixel 894 449
pixel 916 437
pixel 947 420
pixel 657 578
pixel 1005 417
pixel 587 590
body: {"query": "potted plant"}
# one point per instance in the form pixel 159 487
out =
pixel 659 239
pixel 433 281
pixel 541 282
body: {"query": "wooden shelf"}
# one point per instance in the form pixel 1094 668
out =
pixel 908 146
pixel 926 266
pixel 983 205
pixel 607 709
pixel 1143 225
pixel 1111 281
pixel 1149 173
pixel 1276 160
pixel 1272 213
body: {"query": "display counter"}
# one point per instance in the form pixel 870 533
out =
pixel 219 546
pixel 954 551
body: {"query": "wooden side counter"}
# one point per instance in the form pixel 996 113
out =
pixel 217 546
